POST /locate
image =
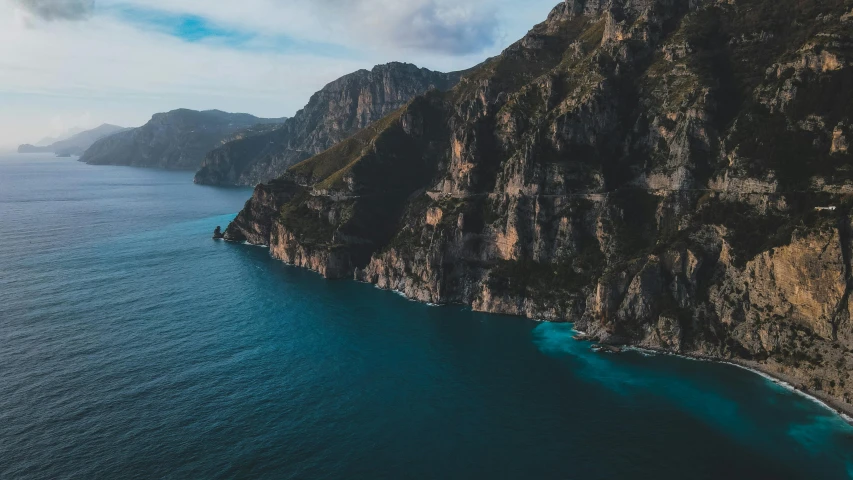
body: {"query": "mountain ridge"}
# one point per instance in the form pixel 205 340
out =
pixel 176 140
pixel 670 175
pixel 332 114
pixel 76 144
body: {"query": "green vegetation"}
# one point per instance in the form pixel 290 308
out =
pixel 330 166
pixel 635 230
pixel 559 279
pixel 511 71
pixel 769 144
pixel 472 209
pixel 593 35
pixel 405 241
pixel 530 279
pixel 327 163
pixel 786 24
pixel 751 233
pixel 306 224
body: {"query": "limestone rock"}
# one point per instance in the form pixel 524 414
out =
pixel 840 142
pixel 662 173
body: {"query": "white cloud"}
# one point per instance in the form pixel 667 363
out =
pixel 105 67
pixel 121 73
pixel 449 26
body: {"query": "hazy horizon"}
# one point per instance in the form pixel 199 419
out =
pixel 82 63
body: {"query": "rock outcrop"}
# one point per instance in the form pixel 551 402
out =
pixel 668 174
pixel 177 140
pixel 334 113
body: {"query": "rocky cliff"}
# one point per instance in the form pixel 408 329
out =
pixel 334 113
pixel 664 173
pixel 176 140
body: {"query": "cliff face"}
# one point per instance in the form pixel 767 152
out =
pixel 177 140
pixel 334 113
pixel 655 171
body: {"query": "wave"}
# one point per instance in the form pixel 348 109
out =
pixel 785 385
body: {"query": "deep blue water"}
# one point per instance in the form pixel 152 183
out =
pixel 134 346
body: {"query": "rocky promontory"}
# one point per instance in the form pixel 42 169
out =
pixel 176 140
pixel 666 174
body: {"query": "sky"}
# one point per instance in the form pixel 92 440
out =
pixel 81 63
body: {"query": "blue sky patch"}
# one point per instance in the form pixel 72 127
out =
pixel 193 28
pixel 187 27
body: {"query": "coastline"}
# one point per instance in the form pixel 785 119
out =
pixel 844 411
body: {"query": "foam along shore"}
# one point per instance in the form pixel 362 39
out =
pixel 784 381
pixel 844 411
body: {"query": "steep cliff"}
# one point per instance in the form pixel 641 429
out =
pixel 176 140
pixel 334 113
pixel 669 174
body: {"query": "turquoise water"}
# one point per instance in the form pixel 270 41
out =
pixel 134 346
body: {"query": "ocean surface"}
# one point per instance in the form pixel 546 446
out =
pixel 134 346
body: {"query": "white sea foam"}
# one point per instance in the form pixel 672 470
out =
pixel 641 351
pixel 402 294
pixel 791 388
pixel 255 245
pixel 766 376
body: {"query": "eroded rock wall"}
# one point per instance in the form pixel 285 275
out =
pixel 673 175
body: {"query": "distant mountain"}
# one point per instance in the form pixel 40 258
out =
pixel 75 145
pixel 334 113
pixel 176 140
pixel 46 141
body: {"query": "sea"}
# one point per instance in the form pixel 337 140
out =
pixel 134 346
